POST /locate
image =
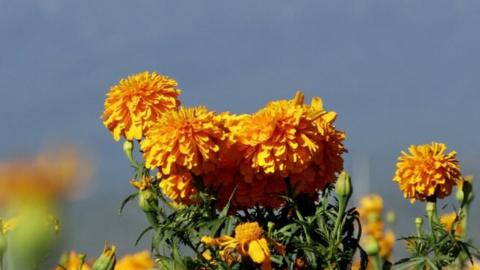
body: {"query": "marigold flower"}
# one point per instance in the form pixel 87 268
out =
pixel 188 138
pixel 136 103
pixel 249 241
pixel 427 171
pixel 448 219
pixel 137 261
pixel 279 138
pixel 291 139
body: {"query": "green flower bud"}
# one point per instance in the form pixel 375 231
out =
pixel 128 150
pixel 343 187
pixel 418 225
pixel 372 247
pixel 391 217
pixel 147 201
pixel 107 259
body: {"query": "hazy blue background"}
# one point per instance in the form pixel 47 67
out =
pixel 397 73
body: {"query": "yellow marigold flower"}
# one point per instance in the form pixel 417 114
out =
pixel 73 261
pixel 249 241
pixel 427 171
pixel 447 220
pixel 137 261
pixel 279 138
pixel 179 187
pixel 136 103
pixel 371 206
pixel 188 138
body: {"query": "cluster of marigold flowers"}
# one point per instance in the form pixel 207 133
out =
pixel 252 154
pixel 376 238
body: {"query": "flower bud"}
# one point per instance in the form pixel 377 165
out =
pixel 107 259
pixel 128 150
pixel 391 217
pixel 343 187
pixel 372 247
pixel 418 225
pixel 147 201
pixel 431 208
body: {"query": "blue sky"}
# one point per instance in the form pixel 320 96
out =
pixel 396 72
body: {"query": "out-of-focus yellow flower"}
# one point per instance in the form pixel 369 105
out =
pixel 136 103
pixel 387 242
pixel 447 220
pixel 474 266
pixel 73 261
pixel 56 173
pixel 137 261
pixel 188 138
pixel 249 241
pixel 371 205
pixel 427 172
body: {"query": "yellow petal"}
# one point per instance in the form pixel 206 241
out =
pixel 258 250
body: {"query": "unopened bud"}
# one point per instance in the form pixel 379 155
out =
pixel 372 247
pixel 128 150
pixel 107 260
pixel 147 201
pixel 430 208
pixel 343 187
pixel 391 217
pixel 418 225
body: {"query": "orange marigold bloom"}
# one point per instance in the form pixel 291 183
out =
pixel 136 103
pixel 137 261
pixel 427 171
pixel 187 138
pixel 279 138
pixel 290 138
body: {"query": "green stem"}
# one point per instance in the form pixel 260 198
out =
pixel 377 262
pixel 341 214
pixel 431 209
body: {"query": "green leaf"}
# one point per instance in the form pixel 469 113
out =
pixel 142 234
pixel 126 200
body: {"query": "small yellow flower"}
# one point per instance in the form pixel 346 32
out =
pixel 137 261
pixel 447 220
pixel 427 172
pixel 136 103
pixel 249 241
